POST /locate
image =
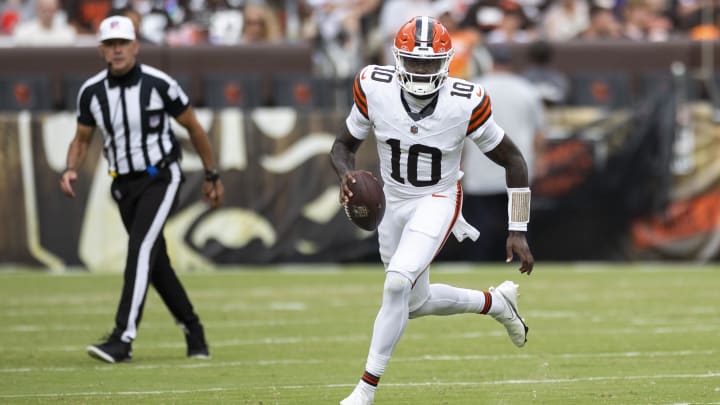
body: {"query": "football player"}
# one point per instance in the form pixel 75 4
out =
pixel 421 118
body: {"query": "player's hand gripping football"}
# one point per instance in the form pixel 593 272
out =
pixel 345 181
pixel 517 244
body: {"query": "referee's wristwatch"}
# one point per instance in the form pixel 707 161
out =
pixel 212 175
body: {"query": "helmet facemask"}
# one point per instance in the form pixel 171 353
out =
pixel 422 72
pixel 423 50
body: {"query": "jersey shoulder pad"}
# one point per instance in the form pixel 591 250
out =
pixel 374 78
pixel 468 92
pixel 472 98
pixel 371 82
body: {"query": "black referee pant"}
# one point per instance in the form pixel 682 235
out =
pixel 145 203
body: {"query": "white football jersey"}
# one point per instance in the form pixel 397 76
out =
pixel 420 157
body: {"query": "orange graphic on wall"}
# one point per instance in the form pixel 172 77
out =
pixel 681 220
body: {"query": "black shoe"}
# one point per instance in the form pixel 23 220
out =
pixel 113 350
pixel 197 347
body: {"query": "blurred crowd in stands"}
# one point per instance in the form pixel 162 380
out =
pixel 347 34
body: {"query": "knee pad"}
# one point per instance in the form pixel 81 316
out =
pixel 396 284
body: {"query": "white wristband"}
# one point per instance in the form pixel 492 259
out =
pixel 518 208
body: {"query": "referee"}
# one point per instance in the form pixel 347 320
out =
pixel 132 103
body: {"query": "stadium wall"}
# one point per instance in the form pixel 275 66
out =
pixel 55 73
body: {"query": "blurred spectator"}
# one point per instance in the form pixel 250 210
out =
pixel 335 29
pixel 705 32
pixel 86 15
pixel 136 19
pixel 225 27
pixel 12 12
pixel 482 15
pixel 518 109
pixel 565 19
pixel 8 20
pixel 514 25
pixel 467 42
pixel 643 23
pixel 603 25
pixel 48 28
pixel 699 18
pixel 687 13
pixel 25 8
pixel 156 23
pixel 552 84
pixel 188 34
pixel 201 12
pixel 260 24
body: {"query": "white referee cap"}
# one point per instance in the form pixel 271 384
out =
pixel 116 27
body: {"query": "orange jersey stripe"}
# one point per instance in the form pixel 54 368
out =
pixel 480 110
pixel 359 97
pixel 480 114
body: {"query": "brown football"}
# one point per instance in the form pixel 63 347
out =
pixel 367 205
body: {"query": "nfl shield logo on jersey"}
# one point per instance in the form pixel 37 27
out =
pixel 414 129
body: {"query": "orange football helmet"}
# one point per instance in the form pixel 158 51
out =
pixel 423 50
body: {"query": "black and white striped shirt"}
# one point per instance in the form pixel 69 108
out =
pixel 132 112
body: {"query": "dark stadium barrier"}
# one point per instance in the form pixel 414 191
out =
pixel 223 90
pixel 62 66
pixel 601 89
pixel 25 92
pixel 193 64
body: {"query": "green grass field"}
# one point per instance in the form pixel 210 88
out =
pixel 599 334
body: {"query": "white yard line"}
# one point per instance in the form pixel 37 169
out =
pixel 216 364
pixel 158 325
pixel 681 330
pixel 411 384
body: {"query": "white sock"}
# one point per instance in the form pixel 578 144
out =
pixel 376 364
pixel 448 300
pixel 374 369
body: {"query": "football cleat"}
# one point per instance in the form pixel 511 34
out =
pixel 197 347
pixel 113 350
pixel 510 318
pixel 359 397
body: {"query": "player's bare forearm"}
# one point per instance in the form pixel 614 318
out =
pixel 342 157
pixel 342 154
pixel 507 155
